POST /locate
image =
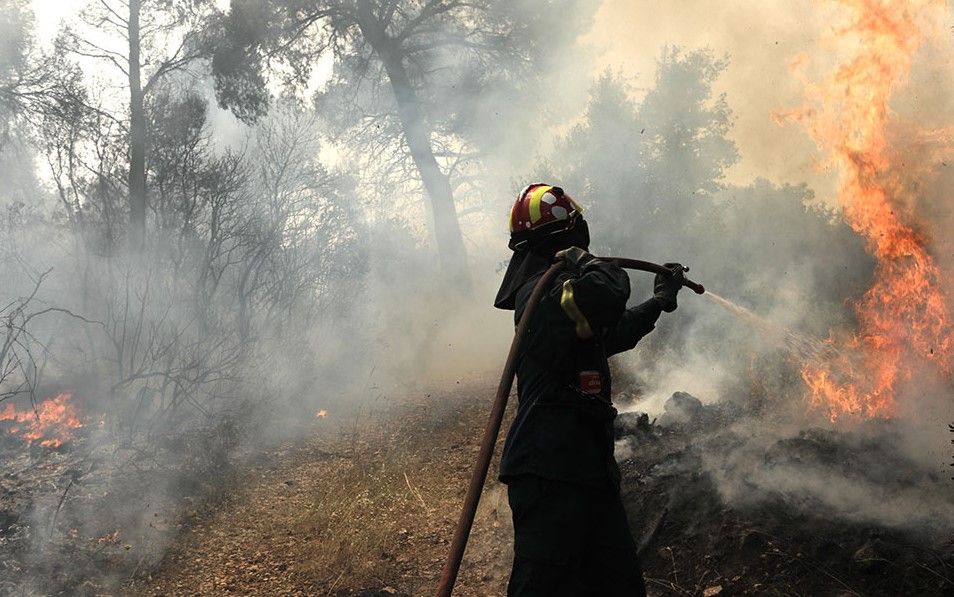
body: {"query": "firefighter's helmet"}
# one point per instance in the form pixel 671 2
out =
pixel 541 210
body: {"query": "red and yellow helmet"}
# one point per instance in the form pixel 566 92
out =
pixel 541 210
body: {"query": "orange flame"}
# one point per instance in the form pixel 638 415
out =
pixel 321 414
pixel 51 424
pixel 903 317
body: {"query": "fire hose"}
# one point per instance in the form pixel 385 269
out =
pixel 466 521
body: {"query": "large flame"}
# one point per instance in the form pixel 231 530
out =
pixel 51 424
pixel 903 317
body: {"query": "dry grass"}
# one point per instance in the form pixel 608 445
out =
pixel 368 504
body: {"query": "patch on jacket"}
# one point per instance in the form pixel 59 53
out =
pixel 591 382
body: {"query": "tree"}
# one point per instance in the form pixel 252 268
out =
pixel 687 127
pixel 604 162
pixel 16 44
pixel 32 84
pixel 650 164
pixel 411 72
pixel 297 237
pixel 652 175
pixel 148 29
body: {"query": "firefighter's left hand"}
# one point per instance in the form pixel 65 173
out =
pixel 575 259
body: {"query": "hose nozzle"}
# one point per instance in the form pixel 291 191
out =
pixel 655 268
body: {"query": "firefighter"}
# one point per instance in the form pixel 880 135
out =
pixel 571 536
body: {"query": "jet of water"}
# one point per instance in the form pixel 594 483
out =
pixel 804 347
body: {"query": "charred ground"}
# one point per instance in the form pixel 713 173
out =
pixel 782 543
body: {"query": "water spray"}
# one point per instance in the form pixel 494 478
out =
pixel 466 521
pixel 806 348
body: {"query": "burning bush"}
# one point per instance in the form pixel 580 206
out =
pixel 903 317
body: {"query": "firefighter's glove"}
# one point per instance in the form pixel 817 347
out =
pixel 575 258
pixel 667 287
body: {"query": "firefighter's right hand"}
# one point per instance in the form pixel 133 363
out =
pixel 575 259
pixel 666 287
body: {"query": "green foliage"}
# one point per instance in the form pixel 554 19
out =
pixel 473 69
pixel 762 238
pixel 238 64
pixel 686 126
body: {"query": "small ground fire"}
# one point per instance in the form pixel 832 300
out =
pixel 50 425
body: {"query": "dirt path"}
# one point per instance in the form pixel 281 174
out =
pixel 367 505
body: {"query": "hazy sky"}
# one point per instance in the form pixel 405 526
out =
pixel 49 13
pixel 760 37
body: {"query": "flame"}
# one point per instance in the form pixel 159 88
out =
pixel 321 414
pixel 51 424
pixel 903 317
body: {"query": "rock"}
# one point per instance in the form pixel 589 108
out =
pixel 681 408
pixel 631 423
pixel 7 518
pixel 382 592
pixel 869 558
pixel 751 545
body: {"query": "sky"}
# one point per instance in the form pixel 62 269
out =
pixel 49 13
pixel 760 38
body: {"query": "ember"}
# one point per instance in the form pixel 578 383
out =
pixel 903 316
pixel 50 424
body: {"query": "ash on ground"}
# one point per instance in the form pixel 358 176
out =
pixel 85 517
pixel 721 503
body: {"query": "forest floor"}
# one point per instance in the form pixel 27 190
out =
pixel 367 505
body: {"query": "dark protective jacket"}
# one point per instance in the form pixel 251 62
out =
pixel 563 429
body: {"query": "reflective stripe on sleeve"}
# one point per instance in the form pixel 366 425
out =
pixel 569 306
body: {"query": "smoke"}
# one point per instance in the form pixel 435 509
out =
pixel 778 249
pixel 272 282
pixel 853 477
pixel 292 264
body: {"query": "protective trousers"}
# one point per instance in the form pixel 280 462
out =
pixel 571 540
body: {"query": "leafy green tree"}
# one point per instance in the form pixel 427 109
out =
pixel 649 164
pixel 144 41
pixel 686 128
pixel 407 83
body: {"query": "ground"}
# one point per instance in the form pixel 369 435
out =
pixel 367 505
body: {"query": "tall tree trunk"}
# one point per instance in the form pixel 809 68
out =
pixel 417 135
pixel 137 133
